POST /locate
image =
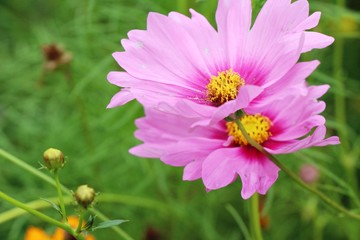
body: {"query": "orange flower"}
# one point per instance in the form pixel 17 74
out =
pixel 34 233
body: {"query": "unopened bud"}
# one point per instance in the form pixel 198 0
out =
pixel 55 56
pixel 54 159
pixel 309 173
pixel 84 196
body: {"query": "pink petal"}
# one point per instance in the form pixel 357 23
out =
pixel 158 124
pixel 186 108
pixel 146 151
pixel 318 91
pixel 294 77
pixel 334 140
pixel 300 129
pixel 246 94
pixel 121 98
pixel 313 40
pixel 205 37
pixel 181 58
pixel 192 171
pixel 316 40
pixel 310 22
pixel 283 59
pixel 257 172
pixel 297 13
pixel 181 64
pixel 147 90
pixel 184 152
pixel 316 139
pixel 220 167
pixel 270 20
pixel 272 57
pixel 233 19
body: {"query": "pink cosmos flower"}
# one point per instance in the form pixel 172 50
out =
pixel 178 57
pixel 218 152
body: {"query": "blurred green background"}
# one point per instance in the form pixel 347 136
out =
pixel 66 109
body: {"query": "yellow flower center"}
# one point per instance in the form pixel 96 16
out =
pixel 256 126
pixel 224 87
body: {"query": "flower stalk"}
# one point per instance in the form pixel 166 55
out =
pixel 81 219
pixel 340 107
pixel 60 195
pixel 40 215
pixel 294 176
pixel 254 215
pixel 18 162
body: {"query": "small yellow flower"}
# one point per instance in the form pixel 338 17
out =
pixel 34 233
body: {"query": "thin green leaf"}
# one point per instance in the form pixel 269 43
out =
pixel 89 223
pixel 108 224
pixel 53 205
pixel 240 222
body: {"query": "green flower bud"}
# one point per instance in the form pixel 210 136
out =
pixel 84 196
pixel 53 158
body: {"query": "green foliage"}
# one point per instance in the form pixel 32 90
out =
pixel 66 109
pixel 108 224
pixel 54 206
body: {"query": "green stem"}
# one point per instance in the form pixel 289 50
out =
pixel 38 214
pixel 51 181
pixel 61 199
pixel 294 176
pixel 37 204
pixel 81 219
pixel 347 161
pixel 102 198
pixel 254 215
pixel 340 105
pixel 26 166
pixel 239 221
pixel 81 107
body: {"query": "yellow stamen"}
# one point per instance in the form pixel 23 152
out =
pixel 257 126
pixel 224 87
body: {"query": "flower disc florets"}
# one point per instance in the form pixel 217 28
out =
pixel 224 87
pixel 256 126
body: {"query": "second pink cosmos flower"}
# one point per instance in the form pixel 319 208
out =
pixel 218 153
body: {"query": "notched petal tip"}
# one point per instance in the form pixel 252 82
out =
pixel 121 98
pixel 259 184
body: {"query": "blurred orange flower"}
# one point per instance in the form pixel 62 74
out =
pixel 34 233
